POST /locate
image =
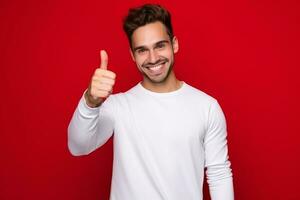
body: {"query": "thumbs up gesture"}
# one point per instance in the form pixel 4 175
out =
pixel 101 85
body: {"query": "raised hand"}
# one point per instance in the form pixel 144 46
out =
pixel 101 84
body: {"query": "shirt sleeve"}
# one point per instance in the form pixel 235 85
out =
pixel 89 127
pixel 218 172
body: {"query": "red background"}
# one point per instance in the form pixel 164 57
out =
pixel 244 53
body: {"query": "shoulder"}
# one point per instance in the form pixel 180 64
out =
pixel 199 95
pixel 213 111
pixel 120 98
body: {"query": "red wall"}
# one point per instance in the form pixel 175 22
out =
pixel 244 53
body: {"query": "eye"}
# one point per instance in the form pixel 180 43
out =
pixel 160 45
pixel 141 51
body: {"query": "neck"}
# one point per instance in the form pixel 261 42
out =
pixel 169 85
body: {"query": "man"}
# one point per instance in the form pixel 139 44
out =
pixel 165 131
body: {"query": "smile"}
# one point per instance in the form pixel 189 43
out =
pixel 156 68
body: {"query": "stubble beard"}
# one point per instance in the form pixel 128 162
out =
pixel 163 79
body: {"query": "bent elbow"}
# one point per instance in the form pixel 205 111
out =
pixel 76 150
pixel 76 145
pixel 76 142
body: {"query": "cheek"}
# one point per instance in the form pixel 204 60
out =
pixel 141 59
pixel 168 53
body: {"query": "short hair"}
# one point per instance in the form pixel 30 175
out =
pixel 146 14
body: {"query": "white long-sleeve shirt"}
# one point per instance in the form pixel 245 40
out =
pixel 161 141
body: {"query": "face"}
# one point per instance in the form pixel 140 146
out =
pixel 153 52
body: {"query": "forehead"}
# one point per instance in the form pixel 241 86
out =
pixel 149 34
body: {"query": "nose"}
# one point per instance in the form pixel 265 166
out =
pixel 153 56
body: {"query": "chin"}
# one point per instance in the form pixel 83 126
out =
pixel 163 78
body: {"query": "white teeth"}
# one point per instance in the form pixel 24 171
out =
pixel 156 68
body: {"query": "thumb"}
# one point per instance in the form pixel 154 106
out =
pixel 104 59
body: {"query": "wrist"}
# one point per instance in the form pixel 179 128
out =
pixel 90 101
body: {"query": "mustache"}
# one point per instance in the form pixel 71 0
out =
pixel 158 62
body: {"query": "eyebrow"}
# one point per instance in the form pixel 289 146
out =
pixel 144 47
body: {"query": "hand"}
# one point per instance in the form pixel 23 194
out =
pixel 101 85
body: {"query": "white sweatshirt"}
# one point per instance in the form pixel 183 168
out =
pixel 162 143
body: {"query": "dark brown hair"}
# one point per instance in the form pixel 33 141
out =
pixel 146 14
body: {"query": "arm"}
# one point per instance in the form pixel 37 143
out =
pixel 93 120
pixel 219 175
pixel 89 127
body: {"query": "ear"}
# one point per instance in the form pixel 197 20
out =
pixel 175 44
pixel 131 53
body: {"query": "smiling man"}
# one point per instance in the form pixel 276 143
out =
pixel 165 131
pixel 153 51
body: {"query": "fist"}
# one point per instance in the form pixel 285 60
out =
pixel 102 82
